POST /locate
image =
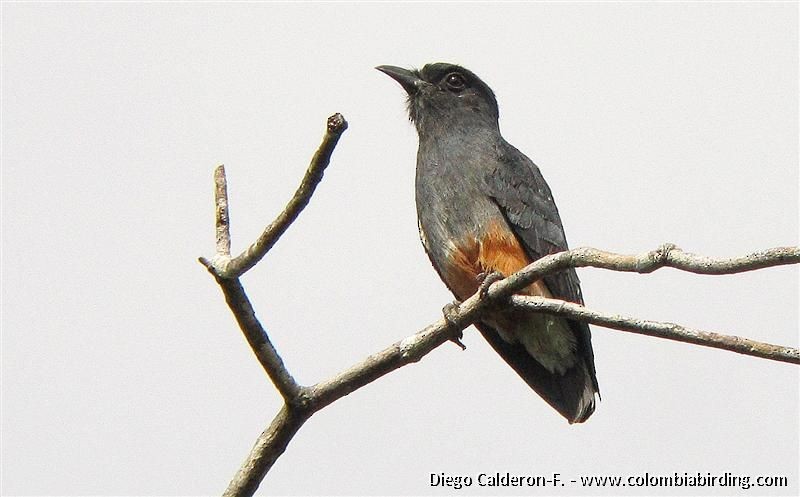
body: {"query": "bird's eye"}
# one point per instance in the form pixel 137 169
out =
pixel 455 81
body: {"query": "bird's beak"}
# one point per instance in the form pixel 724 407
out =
pixel 409 80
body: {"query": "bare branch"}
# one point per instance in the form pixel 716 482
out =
pixel 268 448
pixel 668 255
pixel 227 270
pixel 259 341
pixel 674 257
pixel 415 347
pixel 272 442
pixel 222 221
pixel 670 331
pixel 300 403
pixel 233 268
pixel 399 354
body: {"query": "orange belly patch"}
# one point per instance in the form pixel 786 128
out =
pixel 547 339
pixel 496 249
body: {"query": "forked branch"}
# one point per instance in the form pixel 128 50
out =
pixel 226 267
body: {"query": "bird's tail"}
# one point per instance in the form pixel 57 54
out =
pixel 571 392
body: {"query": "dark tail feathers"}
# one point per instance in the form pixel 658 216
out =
pixel 571 394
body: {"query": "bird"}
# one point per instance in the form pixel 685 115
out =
pixel 484 208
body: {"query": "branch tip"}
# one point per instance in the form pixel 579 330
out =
pixel 336 124
pixel 221 218
pixel 457 341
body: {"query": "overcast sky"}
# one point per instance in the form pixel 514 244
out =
pixel 123 372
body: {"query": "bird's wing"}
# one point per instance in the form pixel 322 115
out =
pixel 519 190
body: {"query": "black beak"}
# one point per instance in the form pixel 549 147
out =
pixel 409 80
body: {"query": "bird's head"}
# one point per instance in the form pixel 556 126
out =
pixel 445 95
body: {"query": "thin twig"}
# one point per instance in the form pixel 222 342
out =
pixel 233 268
pixel 670 331
pixel 259 341
pixel 222 220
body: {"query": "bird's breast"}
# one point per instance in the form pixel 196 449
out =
pixel 465 234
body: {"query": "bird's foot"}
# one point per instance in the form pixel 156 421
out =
pixel 450 312
pixel 486 279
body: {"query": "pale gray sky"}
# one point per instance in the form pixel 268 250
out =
pixel 123 371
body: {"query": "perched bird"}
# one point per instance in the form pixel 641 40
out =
pixel 484 208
